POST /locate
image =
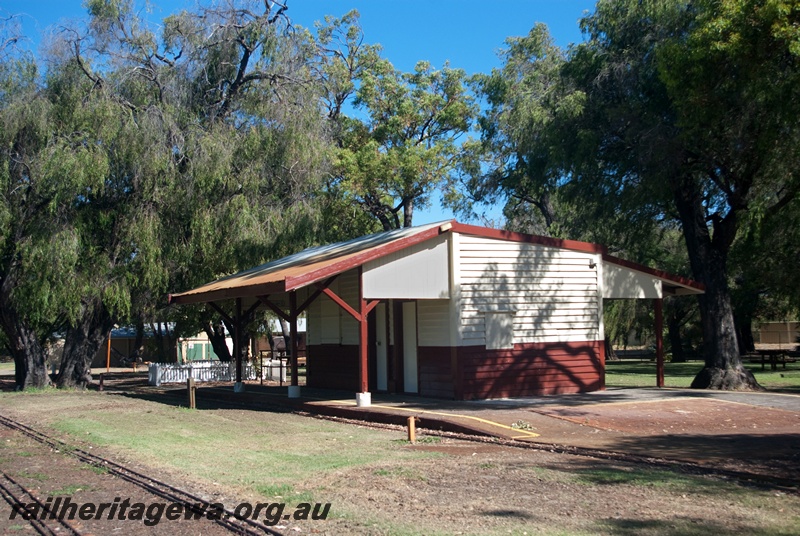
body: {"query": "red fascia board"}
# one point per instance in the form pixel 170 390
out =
pixel 655 272
pixel 358 259
pixel 500 234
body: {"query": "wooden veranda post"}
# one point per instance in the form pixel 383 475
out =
pixel 363 375
pixel 659 313
pixel 237 345
pixel 293 312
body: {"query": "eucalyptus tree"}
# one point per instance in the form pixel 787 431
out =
pixel 710 109
pixel 28 194
pixel 401 140
pixel 254 145
pixel 687 111
pixel 142 163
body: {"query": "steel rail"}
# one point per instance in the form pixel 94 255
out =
pixel 759 480
pixel 227 519
pixel 41 523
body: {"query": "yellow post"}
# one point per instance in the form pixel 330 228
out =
pixel 108 354
pixel 412 431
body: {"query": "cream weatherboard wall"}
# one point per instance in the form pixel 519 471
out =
pixel 544 294
pixel 327 322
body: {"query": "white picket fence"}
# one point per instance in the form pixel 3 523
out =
pixel 213 371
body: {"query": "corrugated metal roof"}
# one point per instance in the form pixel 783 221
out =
pixel 321 262
pixel 308 266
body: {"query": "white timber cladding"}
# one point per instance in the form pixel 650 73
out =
pixel 416 272
pixel 499 330
pixel 621 282
pixel 455 290
pixel 327 322
pixel 348 291
pixel 550 294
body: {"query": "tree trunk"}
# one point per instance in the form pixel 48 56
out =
pixel 30 363
pixel 82 343
pixel 675 341
pixel 136 355
pixel 744 333
pixel 244 334
pixel 217 338
pixel 30 367
pixel 408 212
pixel 708 257
pixel 611 355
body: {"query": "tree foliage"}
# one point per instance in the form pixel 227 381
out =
pixel 401 141
pixel 668 111
pixel 142 163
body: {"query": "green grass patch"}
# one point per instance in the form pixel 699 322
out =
pixel 97 469
pixel 646 477
pixel 69 490
pixel 183 439
pixel 7 368
pixel 41 477
pixel 423 440
pixel 635 373
pixel 285 492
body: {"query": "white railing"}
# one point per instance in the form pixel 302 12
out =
pixel 274 369
pixel 201 371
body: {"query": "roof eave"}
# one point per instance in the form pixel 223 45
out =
pixel 262 289
pixel 500 234
pixel 689 286
pixel 359 259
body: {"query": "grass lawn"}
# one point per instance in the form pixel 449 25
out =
pixel 642 373
pixel 378 484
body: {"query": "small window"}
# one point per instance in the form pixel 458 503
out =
pixel 499 330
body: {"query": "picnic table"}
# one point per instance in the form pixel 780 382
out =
pixel 774 356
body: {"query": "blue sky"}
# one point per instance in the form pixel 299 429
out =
pixel 467 33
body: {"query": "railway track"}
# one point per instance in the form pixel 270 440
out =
pixel 785 484
pixel 14 493
pixel 47 524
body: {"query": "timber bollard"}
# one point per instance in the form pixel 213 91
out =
pixel 191 389
pixel 412 430
pixel 100 387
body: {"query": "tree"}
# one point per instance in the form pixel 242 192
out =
pixel 38 247
pixel 686 111
pixel 514 158
pixel 253 152
pixel 402 141
pixel 142 165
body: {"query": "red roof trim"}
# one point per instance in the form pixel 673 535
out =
pixel 293 283
pixel 655 272
pixel 500 234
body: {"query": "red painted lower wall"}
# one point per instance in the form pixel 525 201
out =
pixel 531 369
pixel 473 372
pixel 332 366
